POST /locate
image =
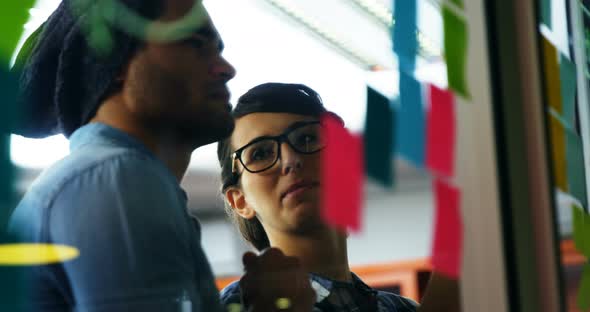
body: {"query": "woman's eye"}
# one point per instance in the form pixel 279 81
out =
pixel 307 138
pixel 261 154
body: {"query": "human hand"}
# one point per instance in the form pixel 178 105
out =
pixel 442 295
pixel 275 282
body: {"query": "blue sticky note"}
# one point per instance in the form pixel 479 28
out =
pixel 410 123
pixel 575 167
pixel 405 42
pixel 567 76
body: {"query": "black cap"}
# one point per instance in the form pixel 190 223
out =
pixel 274 97
pixel 63 79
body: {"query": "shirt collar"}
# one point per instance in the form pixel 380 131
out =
pixel 101 134
pixel 97 134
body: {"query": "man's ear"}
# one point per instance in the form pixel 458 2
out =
pixel 237 200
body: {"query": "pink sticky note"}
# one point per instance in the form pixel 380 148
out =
pixel 342 173
pixel 441 132
pixel 448 230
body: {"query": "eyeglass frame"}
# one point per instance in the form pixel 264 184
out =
pixel 280 139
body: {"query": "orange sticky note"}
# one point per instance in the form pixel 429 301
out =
pixel 558 153
pixel 342 173
pixel 552 80
pixel 440 132
pixel 447 243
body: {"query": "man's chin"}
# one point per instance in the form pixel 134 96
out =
pixel 210 131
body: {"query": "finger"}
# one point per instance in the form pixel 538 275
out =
pixel 273 259
pixel 249 259
pixel 291 262
pixel 250 288
pixel 272 252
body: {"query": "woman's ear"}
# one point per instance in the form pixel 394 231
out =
pixel 237 200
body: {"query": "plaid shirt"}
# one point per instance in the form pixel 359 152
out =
pixel 355 296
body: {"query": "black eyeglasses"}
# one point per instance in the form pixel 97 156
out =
pixel 263 152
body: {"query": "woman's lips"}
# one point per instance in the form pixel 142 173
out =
pixel 299 189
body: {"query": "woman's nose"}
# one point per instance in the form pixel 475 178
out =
pixel 290 159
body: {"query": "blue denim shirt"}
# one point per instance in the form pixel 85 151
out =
pixel 121 207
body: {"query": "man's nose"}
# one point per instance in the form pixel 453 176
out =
pixel 223 69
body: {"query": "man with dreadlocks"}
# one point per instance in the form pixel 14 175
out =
pixel 133 114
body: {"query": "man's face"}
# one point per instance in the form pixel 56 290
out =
pixel 180 87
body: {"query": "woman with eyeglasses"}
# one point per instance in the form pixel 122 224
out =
pixel 271 184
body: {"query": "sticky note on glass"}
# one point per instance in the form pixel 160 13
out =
pixel 581 232
pixel 567 75
pixel 552 81
pixel 405 42
pixel 447 243
pixel 583 300
pixel 455 46
pixel 378 138
pixel 581 235
pixel 441 132
pixel 410 132
pixel 342 172
pixel 576 173
pixel 7 194
pixel 458 3
pixel 557 132
pixel 546 12
pixel 14 16
pixel 8 90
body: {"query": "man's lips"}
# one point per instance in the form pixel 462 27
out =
pixel 298 187
pixel 220 93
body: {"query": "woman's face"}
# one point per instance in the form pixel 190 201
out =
pixel 286 196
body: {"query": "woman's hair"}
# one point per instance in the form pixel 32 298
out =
pixel 251 229
pixel 265 98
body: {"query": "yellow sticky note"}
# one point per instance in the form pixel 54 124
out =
pixel 552 80
pixel 558 153
pixel 36 254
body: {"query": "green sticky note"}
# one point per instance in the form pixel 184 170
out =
pixel 458 3
pixel 546 12
pixel 14 15
pixel 576 175
pixel 378 138
pixel 455 45
pixel 584 290
pixel 581 232
pixel 567 75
